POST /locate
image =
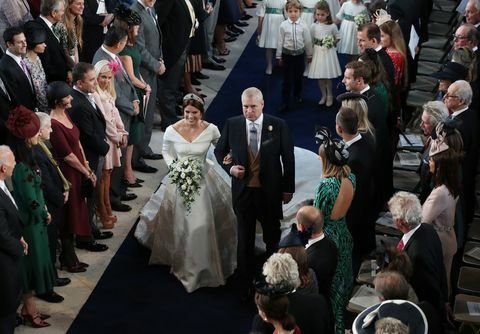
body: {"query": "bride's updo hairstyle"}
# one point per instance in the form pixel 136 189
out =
pixel 194 101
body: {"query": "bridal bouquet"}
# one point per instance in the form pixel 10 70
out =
pixel 328 41
pixel 360 19
pixel 186 174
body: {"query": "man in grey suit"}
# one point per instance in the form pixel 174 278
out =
pixel 126 102
pixel 149 43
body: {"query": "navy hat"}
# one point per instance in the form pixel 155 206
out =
pixel 292 239
pixel 56 91
pixel 451 71
pixel 350 96
pixel 34 34
pixel 407 312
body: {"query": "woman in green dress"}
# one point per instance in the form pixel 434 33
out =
pixel 333 197
pixel 131 60
pixel 38 274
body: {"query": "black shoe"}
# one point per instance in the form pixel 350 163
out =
pixel 51 297
pixel 194 81
pixel 153 156
pixel 214 67
pixel 241 24
pixel 102 235
pixel 138 180
pixel 246 17
pixel 236 29
pixel 131 185
pixel 200 75
pixel 145 169
pixel 230 39
pixel 218 60
pixel 121 207
pixel 92 246
pixel 62 281
pixel 231 33
pixel 128 197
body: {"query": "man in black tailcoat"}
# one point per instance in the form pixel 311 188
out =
pixel 257 151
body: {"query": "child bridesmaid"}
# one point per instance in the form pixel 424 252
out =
pixel 270 16
pixel 325 65
pixel 352 14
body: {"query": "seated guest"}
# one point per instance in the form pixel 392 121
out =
pixel 292 244
pixel 399 262
pixel 361 159
pixel 14 72
pixel 38 274
pixel 12 247
pixel 55 188
pixel 449 73
pixel 390 325
pixel 421 243
pixel 311 312
pixel 434 112
pixel 321 251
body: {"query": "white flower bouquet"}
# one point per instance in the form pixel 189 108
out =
pixel 186 174
pixel 360 19
pixel 328 41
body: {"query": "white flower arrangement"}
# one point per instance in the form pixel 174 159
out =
pixel 328 41
pixel 360 19
pixel 186 174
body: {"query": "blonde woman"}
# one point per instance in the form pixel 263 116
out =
pixel 357 102
pixel 117 137
pixel 73 26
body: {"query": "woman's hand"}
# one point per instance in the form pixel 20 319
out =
pixel 24 245
pixel 227 160
pixel 136 108
pixel 48 220
pixel 148 89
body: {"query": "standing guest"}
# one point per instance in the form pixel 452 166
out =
pixel 358 103
pixel 68 151
pixel 149 42
pixel 321 251
pixel 325 65
pixel 294 43
pixel 70 30
pixel 270 16
pixel 263 175
pixel 361 157
pixel 55 188
pixel 176 20
pixel 97 16
pixel 117 138
pixel 36 45
pixel 12 247
pixel 86 113
pixel 14 71
pixel 348 14
pixel 54 60
pixel 13 13
pixel 333 197
pixel 209 60
pixel 439 207
pixel 6 104
pixel 421 243
pixel 38 274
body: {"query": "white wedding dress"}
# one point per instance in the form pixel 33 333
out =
pixel 200 246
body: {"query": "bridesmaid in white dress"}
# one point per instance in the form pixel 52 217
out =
pixel 348 28
pixel 200 244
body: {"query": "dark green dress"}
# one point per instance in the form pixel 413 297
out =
pixel 136 127
pixel 37 269
pixel 326 194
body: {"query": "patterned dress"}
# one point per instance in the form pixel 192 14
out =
pixel 39 81
pixel 336 230
pixel 398 65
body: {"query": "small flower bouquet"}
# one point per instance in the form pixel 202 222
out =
pixel 328 41
pixel 186 174
pixel 360 19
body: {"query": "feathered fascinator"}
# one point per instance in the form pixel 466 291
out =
pixel 131 17
pixel 335 149
pixel 381 16
pixel 272 290
pixel 114 66
pixel 438 144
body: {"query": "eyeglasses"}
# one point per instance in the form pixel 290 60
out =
pixel 447 96
pixel 459 37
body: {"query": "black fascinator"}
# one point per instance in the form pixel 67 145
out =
pixel 272 290
pixel 295 238
pixel 131 17
pixel 335 149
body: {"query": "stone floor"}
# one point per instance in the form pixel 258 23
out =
pixel 77 292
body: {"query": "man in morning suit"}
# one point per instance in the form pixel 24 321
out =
pixel 321 251
pixel 6 104
pixel 262 167
pixel 12 247
pixel 360 160
pixel 54 60
pixel 465 119
pixel 354 80
pixel 149 41
pixel 14 71
pixel 87 116
pixel 423 246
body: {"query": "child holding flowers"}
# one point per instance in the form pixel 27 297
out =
pixel 352 14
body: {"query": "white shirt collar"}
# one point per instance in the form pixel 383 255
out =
pixel 49 24
pixel 409 234
pixel 141 2
pixel 4 188
pixel 258 121
pixel 291 22
pixel 378 48
pixel 475 48
pixel 112 55
pixel 353 140
pixel 17 59
pixel 314 240
pixel 458 112
pixel 367 87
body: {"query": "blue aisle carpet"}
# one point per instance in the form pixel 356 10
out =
pixel 133 297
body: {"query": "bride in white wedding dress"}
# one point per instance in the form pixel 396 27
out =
pixel 199 244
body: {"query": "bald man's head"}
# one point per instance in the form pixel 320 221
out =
pixel 310 216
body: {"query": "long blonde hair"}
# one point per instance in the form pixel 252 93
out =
pixel 331 170
pixel 103 66
pixel 361 109
pixel 74 25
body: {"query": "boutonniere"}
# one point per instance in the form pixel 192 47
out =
pixel 270 128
